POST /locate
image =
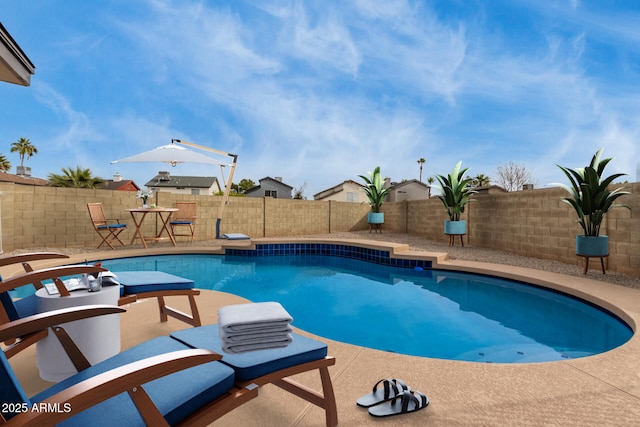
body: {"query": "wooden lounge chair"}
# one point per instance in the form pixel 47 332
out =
pixel 138 285
pixel 5 299
pixel 184 217
pixel 160 285
pixel 274 366
pixel 11 310
pixel 159 382
pixel 107 229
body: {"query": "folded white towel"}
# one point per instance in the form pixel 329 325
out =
pixel 264 329
pixel 242 348
pixel 254 316
pixel 253 337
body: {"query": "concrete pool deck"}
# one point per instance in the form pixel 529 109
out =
pixel 597 390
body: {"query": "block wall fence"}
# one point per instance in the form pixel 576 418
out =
pixel 533 223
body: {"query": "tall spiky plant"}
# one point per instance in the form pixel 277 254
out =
pixel 374 189
pixel 455 191
pixel 590 194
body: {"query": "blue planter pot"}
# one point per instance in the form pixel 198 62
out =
pixel 455 227
pixel 375 217
pixel 592 245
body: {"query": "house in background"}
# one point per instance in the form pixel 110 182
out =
pixel 347 191
pixel 271 187
pixel 22 179
pixel 119 184
pixel 195 185
pixel 409 190
pixel 351 191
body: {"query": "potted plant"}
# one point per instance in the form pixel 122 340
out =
pixel 454 195
pixel 591 198
pixel 376 193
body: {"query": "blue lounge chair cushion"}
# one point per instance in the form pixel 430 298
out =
pixel 254 364
pixel 11 391
pixel 136 282
pixel 181 222
pixel 176 396
pixel 102 227
pixel 26 306
pixel 9 305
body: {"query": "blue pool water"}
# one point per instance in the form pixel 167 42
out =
pixel 428 313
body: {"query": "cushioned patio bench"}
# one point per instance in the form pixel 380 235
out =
pixel 274 365
pixel 157 284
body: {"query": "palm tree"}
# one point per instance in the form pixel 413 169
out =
pixel 481 180
pixel 430 181
pixel 421 160
pixel 5 164
pixel 78 178
pixel 24 147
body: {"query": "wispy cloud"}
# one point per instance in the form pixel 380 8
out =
pixel 322 92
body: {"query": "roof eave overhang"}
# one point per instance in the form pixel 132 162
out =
pixel 15 66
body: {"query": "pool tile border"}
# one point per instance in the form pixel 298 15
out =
pixel 377 256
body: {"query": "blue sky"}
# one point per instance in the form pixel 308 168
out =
pixel 319 92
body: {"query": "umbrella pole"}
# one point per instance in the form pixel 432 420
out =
pixel 227 190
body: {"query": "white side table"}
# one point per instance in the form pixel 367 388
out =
pixel 98 338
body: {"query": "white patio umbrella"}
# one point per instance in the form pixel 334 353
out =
pixel 174 154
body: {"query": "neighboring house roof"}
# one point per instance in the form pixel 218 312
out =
pixel 491 189
pixel 268 178
pixel 335 189
pixel 22 179
pixel 396 185
pixel 162 181
pixel 15 66
pixel 122 185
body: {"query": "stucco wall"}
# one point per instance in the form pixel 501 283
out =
pixel 533 223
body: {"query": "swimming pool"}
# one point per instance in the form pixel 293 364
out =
pixel 408 310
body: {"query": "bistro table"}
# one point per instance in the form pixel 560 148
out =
pixel 139 214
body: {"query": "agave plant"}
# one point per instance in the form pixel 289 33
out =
pixel 374 189
pixel 455 191
pixel 590 194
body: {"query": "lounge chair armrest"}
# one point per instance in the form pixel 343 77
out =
pixel 47 273
pixel 33 256
pixel 128 377
pixel 42 321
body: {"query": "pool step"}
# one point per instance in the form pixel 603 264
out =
pixel 524 353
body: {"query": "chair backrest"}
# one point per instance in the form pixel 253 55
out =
pixel 12 395
pixel 97 214
pixel 9 308
pixel 6 301
pixel 186 211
